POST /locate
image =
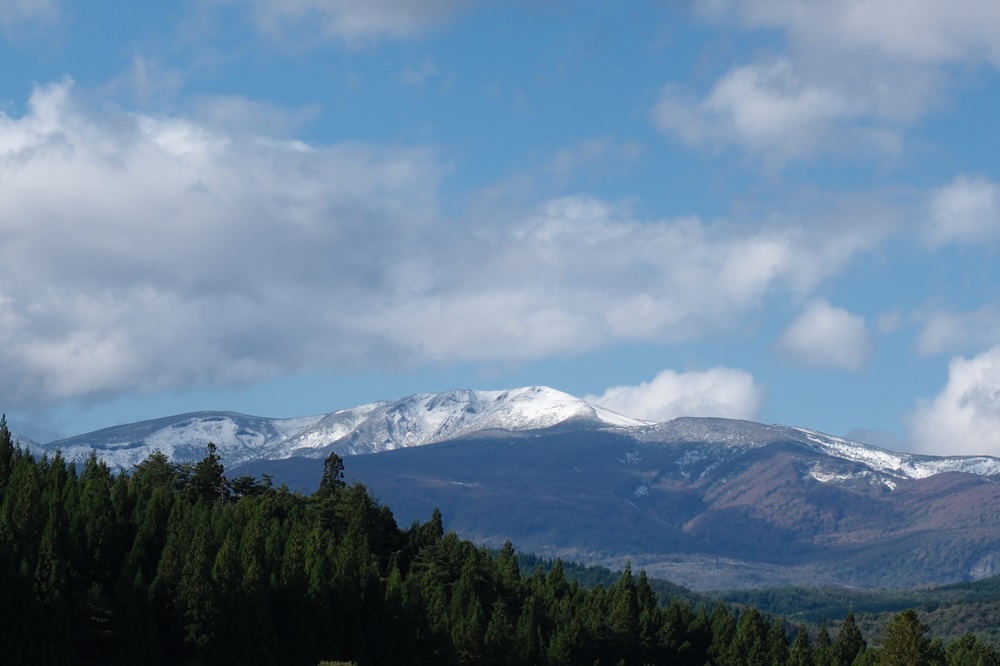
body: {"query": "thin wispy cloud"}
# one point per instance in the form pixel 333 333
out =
pixel 353 22
pixel 17 14
pixel 966 210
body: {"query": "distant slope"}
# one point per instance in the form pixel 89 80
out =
pixel 26 443
pixel 239 438
pixel 951 610
pixel 707 503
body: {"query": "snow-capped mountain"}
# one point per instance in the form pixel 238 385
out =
pixel 429 418
pixel 436 417
pixel 381 426
pixel 707 502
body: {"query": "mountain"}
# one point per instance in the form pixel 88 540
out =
pixel 380 426
pixel 25 443
pixel 708 503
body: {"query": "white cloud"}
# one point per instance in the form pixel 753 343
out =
pixel 849 79
pixel 350 21
pixel 581 273
pixel 910 31
pixel 770 111
pixel 721 392
pixel 950 332
pixel 145 253
pixel 967 210
pixel 964 418
pixel 827 337
pixel 149 253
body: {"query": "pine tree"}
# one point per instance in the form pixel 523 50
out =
pixel 850 643
pixel 208 481
pixel 800 654
pixel 6 452
pixel 904 642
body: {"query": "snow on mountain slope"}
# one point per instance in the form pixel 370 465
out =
pixel 906 465
pixel 380 426
pixel 437 417
pixel 434 417
pixel 25 443
pixel 719 438
pixel 239 438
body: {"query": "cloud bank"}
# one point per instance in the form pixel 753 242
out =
pixel 145 253
pixel 721 392
pixel 848 79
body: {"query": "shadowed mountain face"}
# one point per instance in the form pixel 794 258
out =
pixel 707 503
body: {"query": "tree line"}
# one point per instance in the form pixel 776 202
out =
pixel 173 563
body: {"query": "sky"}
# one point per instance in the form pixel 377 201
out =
pixel 779 210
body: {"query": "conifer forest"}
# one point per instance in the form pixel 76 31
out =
pixel 173 563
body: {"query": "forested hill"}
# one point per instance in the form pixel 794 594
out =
pixel 176 564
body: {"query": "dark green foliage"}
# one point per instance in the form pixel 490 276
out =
pixel 849 644
pixel 175 564
pixel 904 642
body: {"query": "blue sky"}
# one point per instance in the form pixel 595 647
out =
pixel 779 210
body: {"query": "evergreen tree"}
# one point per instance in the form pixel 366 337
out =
pixel 800 654
pixel 333 476
pixel 208 482
pixel 850 643
pixel 904 642
pixel 723 635
pixel 823 651
pixel 969 651
pixel 6 452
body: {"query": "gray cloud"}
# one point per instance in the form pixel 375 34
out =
pixel 142 253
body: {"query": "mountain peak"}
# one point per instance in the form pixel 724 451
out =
pixel 415 420
pixel 424 418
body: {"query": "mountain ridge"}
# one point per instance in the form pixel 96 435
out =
pixel 415 420
pixel 709 503
pixel 425 418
